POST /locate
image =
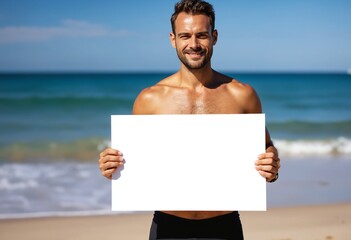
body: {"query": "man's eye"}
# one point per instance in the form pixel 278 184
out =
pixel 203 36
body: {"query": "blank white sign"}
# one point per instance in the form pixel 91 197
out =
pixel 188 162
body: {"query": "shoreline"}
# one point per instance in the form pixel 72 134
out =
pixel 320 222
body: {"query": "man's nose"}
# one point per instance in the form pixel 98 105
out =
pixel 194 43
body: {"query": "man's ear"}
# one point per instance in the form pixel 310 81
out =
pixel 215 36
pixel 172 39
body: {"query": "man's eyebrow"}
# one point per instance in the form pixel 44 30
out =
pixel 203 33
pixel 198 33
pixel 183 33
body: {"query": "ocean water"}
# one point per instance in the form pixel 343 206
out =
pixel 52 127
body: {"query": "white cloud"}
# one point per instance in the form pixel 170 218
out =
pixel 69 28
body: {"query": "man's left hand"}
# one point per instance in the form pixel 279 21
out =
pixel 268 164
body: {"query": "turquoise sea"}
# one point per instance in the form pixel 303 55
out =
pixel 52 127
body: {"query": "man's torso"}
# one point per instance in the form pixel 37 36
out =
pixel 228 96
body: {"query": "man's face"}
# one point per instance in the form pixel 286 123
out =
pixel 193 40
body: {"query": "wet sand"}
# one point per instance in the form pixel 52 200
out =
pixel 317 222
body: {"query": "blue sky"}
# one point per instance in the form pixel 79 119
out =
pixel 77 35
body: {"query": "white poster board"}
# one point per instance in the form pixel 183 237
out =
pixel 188 162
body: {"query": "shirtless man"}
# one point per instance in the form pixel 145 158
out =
pixel 196 89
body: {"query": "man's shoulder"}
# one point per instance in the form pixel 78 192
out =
pixel 151 96
pixel 156 90
pixel 232 83
pixel 237 87
pixel 245 95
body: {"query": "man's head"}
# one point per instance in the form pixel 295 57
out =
pixel 193 7
pixel 193 34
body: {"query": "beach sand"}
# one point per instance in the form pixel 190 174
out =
pixel 323 222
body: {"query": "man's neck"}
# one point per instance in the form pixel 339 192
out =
pixel 196 78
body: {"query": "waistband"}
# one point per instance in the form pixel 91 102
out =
pixel 165 217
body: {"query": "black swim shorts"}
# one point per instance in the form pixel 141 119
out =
pixel 166 226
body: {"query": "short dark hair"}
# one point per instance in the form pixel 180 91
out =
pixel 193 7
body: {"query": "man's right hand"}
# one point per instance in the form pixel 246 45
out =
pixel 110 160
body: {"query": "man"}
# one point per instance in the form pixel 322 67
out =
pixel 196 89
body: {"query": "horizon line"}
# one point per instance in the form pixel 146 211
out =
pixel 170 71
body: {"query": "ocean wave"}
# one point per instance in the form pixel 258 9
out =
pixel 52 189
pixel 329 147
pixel 5 184
pixel 88 149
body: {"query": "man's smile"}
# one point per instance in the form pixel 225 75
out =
pixel 194 54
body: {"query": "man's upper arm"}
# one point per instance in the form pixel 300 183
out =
pixel 253 105
pixel 139 105
pixel 250 100
pixel 143 104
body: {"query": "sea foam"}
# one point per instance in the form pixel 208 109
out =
pixel 330 147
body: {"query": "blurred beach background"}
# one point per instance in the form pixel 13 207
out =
pixel 54 125
pixel 66 67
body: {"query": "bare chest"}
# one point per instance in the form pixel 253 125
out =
pixel 205 103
